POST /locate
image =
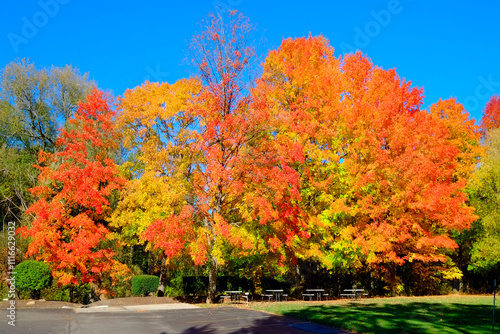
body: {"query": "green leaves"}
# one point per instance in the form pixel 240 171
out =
pixel 485 186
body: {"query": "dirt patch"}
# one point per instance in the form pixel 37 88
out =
pixel 129 301
pixel 53 304
pixel 38 304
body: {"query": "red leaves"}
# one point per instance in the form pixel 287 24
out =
pixel 491 114
pixel 172 234
pixel 74 188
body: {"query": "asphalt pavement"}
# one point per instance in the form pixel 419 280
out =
pixel 155 319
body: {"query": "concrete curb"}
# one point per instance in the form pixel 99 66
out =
pixel 135 308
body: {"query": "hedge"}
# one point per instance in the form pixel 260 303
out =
pixel 143 285
pixel 32 276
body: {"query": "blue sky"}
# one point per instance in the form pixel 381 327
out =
pixel 450 48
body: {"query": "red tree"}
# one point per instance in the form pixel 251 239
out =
pixel 74 188
pixel 491 114
pixel 245 191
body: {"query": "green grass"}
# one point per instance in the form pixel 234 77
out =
pixel 401 315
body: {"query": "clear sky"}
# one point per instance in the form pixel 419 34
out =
pixel 450 48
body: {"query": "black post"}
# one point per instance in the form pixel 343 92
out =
pixel 494 295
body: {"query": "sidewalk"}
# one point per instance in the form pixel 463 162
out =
pixel 135 308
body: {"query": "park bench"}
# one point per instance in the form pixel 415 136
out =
pixel 247 297
pixel 225 298
pixel 310 295
pixel 269 297
pixel 350 295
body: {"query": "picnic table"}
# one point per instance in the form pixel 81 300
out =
pixel 277 294
pixel 318 293
pixel 352 293
pixel 234 295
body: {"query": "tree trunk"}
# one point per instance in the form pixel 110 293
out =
pixel 212 280
pixel 71 295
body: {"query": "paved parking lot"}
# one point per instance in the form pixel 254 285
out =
pixel 149 321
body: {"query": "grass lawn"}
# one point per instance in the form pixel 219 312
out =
pixel 401 315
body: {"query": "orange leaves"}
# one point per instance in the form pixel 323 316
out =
pixel 335 150
pixel 75 184
pixel 463 134
pixel 373 159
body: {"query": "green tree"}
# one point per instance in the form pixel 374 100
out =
pixel 485 188
pixel 34 104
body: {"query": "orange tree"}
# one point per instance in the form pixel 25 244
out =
pixel 69 231
pixel 382 181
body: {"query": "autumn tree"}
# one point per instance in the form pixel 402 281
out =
pixel 379 183
pixel 158 130
pixel 491 114
pixel 70 229
pixel 227 185
pixel 300 86
pixel 484 188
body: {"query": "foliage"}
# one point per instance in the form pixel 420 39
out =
pixel 33 276
pixel 491 114
pixel 174 286
pixel 143 285
pixel 69 231
pixel 324 166
pixel 383 182
pixel 158 130
pixel 209 160
pixel 82 293
pixel 34 103
pixel 484 188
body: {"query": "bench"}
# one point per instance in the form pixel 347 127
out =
pixel 270 297
pixel 224 298
pixel 247 297
pixel 310 295
pixel 351 295
pixel 325 295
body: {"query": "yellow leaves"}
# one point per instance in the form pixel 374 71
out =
pixel 198 248
pixel 452 273
pixel 155 119
pixel 153 104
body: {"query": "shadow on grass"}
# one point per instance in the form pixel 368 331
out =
pixel 401 319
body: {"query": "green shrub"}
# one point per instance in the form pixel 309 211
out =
pixel 144 284
pixel 173 287
pixel 32 276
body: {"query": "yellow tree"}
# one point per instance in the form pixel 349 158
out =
pixel 158 130
pixel 222 182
